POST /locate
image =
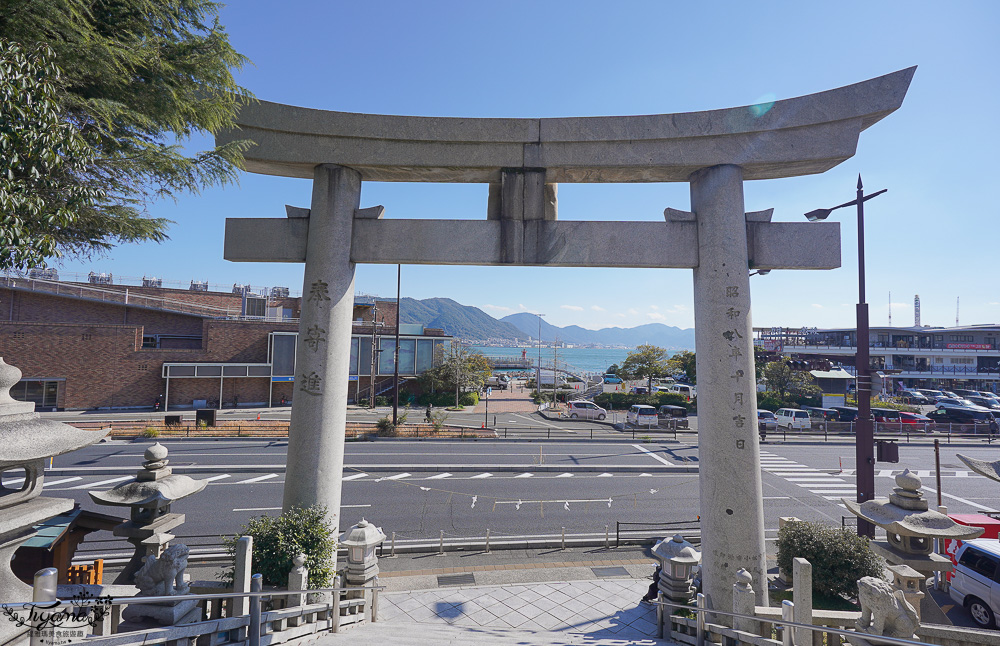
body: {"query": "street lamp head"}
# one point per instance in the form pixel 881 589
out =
pixel 760 272
pixel 818 214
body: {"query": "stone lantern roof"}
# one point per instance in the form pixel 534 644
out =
pixel 154 486
pixel 906 513
pixel 986 469
pixel 364 534
pixel 678 549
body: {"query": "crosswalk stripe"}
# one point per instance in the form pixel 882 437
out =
pixel 833 497
pixel 222 476
pixel 102 482
pixel 846 492
pixel 258 479
pixel 353 476
pixel 13 483
pixel 885 473
pixel 399 476
pixel 440 476
pixel 525 475
pixel 923 473
pixel 961 474
pixel 46 483
pixel 847 472
pixel 565 475
pixel 482 475
pixel 816 480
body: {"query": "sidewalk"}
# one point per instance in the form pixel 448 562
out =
pixel 511 400
pixel 531 596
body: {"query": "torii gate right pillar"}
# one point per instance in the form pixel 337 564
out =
pixel 732 512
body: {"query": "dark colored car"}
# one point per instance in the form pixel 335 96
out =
pixel 639 390
pixel 913 397
pixel 823 414
pixel 885 414
pixel 985 402
pixel 677 413
pixel 982 419
pixel 847 413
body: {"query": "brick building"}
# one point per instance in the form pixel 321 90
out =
pixel 85 346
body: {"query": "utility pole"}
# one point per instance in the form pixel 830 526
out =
pixel 395 359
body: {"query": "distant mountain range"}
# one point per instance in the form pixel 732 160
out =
pixel 471 323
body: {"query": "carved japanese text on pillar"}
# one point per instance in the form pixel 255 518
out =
pixel 314 336
pixel 319 292
pixel 733 338
pixel 312 384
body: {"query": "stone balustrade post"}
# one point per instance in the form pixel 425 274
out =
pixel 802 586
pixel 744 601
pixel 298 580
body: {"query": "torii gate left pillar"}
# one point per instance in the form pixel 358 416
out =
pixel 319 416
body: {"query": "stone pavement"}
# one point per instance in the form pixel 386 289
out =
pixel 512 400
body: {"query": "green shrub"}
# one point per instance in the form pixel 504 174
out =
pixel 448 399
pixel 381 400
pixel 770 401
pixel 150 431
pixel 839 557
pixel 621 400
pixel 278 539
pixel 385 427
pixel 438 419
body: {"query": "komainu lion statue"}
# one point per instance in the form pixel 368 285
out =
pixel 164 576
pixel 884 612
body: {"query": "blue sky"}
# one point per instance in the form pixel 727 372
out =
pixel 934 233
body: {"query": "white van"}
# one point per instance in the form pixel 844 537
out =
pixel 497 381
pixel 684 389
pixel 974 580
pixel 642 415
pixel 793 418
pixel 585 410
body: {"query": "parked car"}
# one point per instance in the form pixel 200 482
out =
pixel 930 394
pixel 922 422
pixel 885 414
pixel 642 415
pixel 956 402
pixel 966 393
pixel 793 418
pixel 766 421
pixel 822 414
pixel 585 410
pixel 678 414
pixel 611 379
pixel 497 381
pixel 975 582
pixel 985 402
pixel 847 413
pixel 914 397
pixel 684 389
pixel 639 390
pixel 982 419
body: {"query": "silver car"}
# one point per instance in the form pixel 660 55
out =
pixel 583 409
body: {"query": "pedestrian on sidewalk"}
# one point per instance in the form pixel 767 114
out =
pixel 427 415
pixel 654 587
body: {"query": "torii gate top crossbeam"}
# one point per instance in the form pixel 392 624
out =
pixel 799 136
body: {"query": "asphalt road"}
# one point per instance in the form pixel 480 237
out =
pixel 418 489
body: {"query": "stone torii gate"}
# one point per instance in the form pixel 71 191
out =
pixel 523 160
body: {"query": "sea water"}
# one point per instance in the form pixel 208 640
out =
pixel 589 360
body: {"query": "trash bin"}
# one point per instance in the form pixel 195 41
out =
pixel 886 451
pixel 171 420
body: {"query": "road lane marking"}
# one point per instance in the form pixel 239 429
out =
pixel 218 477
pixel 961 474
pixel 279 508
pixel 59 482
pixel 525 475
pixel 975 505
pixel 440 476
pixel 565 475
pixel 653 455
pixel 258 479
pixel 102 482
pixel 606 475
pixel 815 480
pixel 354 476
pixel 885 473
pixel 776 497
pixel 481 475
pixel 399 476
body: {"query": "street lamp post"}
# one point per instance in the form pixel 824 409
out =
pixel 864 450
pixel 538 376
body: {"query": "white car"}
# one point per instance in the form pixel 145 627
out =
pixel 793 418
pixel 684 389
pixel 974 580
pixel 585 410
pixel 642 415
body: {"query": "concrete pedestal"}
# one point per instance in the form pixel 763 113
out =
pixel 732 513
pixel 319 413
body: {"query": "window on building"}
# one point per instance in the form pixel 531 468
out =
pixel 365 356
pixel 283 354
pixel 961 338
pixel 385 358
pixel 354 356
pixel 147 341
pixel 425 355
pixel 964 360
pixel 407 355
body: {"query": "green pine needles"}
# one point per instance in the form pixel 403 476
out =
pixel 97 101
pixel 839 557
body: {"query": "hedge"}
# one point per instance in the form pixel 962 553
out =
pixel 622 400
pixel 839 557
pixel 771 401
pixel 448 399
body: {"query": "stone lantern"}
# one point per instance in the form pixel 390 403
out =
pixel 149 497
pixel 911 527
pixel 27 440
pixel 677 559
pixel 361 541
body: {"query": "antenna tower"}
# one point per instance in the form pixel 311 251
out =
pixel 890 308
pixel 916 310
pixel 956 310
